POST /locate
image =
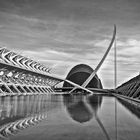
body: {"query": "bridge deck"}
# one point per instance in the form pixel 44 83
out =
pixel 92 89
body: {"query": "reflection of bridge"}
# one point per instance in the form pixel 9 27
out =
pixel 83 109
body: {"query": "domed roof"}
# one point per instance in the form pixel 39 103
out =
pixel 80 68
pixel 79 74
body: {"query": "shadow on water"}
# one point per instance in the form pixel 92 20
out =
pixel 83 108
pixel 20 112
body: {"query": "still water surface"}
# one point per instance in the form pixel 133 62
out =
pixel 68 117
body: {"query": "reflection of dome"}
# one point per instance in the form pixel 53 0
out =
pixel 81 109
pixel 95 101
pixel 79 112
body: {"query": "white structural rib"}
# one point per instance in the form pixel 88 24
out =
pixel 70 82
pixel 78 86
pixel 99 65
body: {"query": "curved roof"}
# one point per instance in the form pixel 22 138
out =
pixel 80 68
pixel 79 74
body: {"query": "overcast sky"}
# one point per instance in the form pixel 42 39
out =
pixel 64 33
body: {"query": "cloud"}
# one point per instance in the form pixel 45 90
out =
pixel 63 33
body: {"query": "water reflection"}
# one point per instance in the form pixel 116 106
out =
pixel 132 107
pixel 20 112
pixel 83 108
pixel 86 113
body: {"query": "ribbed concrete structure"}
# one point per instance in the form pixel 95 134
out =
pixel 130 88
pixel 20 75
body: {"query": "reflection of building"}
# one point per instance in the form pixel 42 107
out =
pixel 16 126
pixel 81 108
pixel 133 108
pixel 19 112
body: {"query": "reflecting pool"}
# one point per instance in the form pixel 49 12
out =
pixel 68 117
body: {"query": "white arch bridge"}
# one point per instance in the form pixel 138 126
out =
pixel 22 75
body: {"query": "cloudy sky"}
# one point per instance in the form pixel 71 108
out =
pixel 64 33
